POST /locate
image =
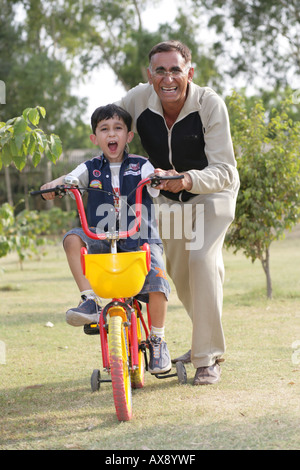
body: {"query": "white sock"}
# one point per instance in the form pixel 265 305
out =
pixel 90 294
pixel 159 332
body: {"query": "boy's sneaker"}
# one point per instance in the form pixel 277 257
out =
pixel 87 312
pixel 160 360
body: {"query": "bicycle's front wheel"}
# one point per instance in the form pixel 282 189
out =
pixel 138 375
pixel 119 367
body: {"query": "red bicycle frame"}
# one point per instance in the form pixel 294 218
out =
pixel 103 236
pixel 123 234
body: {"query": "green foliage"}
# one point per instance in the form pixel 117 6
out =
pixel 90 34
pixel 20 138
pixel 48 49
pixel 260 38
pixel 34 67
pixel 6 221
pixel 269 166
pixel 26 232
pixel 56 221
pixel 20 233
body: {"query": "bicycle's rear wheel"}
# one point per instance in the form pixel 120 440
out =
pixel 119 366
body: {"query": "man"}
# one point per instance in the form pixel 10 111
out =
pixel 185 129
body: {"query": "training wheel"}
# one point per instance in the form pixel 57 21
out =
pixel 181 373
pixel 95 380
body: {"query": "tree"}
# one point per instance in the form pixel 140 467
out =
pixel 269 166
pixel 20 138
pixel 25 232
pixel 87 34
pixel 20 233
pixel 48 46
pixel 261 38
pixel 33 69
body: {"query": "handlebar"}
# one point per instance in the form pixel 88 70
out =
pixel 156 179
pixel 58 190
pixel 63 189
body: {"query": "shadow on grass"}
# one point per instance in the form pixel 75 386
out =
pixel 52 412
pixel 67 415
pixel 247 298
pixel 42 410
pixel 258 296
pixel 270 432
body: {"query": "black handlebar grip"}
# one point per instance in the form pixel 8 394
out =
pixel 156 179
pixel 57 190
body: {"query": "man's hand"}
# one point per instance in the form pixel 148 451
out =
pixel 174 186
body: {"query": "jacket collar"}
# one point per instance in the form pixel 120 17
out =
pixel 104 161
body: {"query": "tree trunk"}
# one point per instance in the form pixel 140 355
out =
pixel 48 178
pixel 266 267
pixel 25 184
pixel 8 186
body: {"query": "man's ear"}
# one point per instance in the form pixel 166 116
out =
pixel 93 139
pixel 191 74
pixel 130 136
pixel 149 76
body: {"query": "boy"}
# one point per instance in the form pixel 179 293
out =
pixel 117 173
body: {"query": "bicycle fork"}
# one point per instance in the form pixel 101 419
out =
pixel 118 308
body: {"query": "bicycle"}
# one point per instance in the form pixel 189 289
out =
pixel 122 328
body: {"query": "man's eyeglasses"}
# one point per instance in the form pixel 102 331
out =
pixel 174 73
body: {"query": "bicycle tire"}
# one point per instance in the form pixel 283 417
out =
pixel 119 368
pixel 138 375
pixel 181 373
pixel 95 380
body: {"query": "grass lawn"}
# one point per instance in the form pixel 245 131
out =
pixel 45 396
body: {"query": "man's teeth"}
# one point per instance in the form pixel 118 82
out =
pixel 173 88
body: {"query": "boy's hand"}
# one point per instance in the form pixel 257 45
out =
pixel 52 184
pixel 48 196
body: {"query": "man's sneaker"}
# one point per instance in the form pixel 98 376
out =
pixel 160 360
pixel 208 375
pixel 87 312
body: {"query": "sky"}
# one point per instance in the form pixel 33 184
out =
pixel 102 87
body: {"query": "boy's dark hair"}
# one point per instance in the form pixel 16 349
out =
pixel 108 112
pixel 172 45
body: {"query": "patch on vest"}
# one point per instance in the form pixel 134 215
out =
pixel 96 184
pixel 132 169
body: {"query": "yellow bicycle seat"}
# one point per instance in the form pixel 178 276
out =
pixel 115 275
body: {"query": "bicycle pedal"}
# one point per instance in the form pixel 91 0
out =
pixel 164 375
pixel 91 329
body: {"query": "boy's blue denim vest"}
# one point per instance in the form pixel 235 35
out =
pixel 100 209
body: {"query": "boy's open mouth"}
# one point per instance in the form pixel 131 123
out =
pixel 113 145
